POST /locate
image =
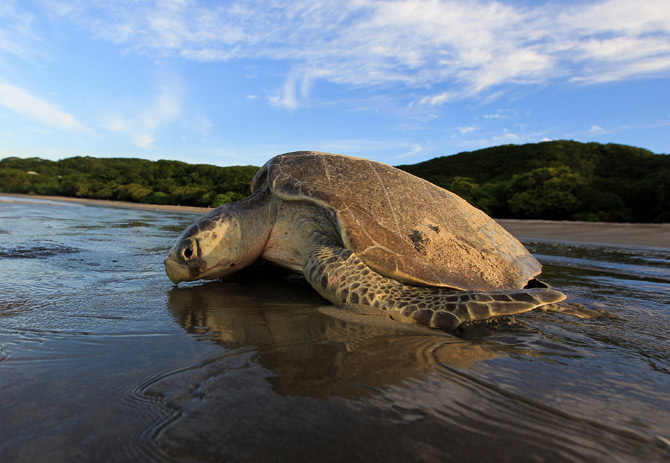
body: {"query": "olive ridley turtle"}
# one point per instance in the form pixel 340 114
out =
pixel 370 237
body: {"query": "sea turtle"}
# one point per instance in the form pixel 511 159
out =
pixel 370 237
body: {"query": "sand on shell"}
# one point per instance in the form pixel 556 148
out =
pixel 597 233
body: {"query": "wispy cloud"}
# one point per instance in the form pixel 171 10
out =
pixel 146 120
pixel 22 102
pixel 414 150
pixel 370 148
pixel 486 138
pixel 15 31
pixel 444 51
pixel 596 130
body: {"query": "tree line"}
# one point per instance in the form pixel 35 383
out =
pixel 557 180
pixel 126 179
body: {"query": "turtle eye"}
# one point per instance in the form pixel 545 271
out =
pixel 187 252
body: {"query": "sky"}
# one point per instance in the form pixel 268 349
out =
pixel 237 82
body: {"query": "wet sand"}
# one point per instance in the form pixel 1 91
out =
pixel 617 234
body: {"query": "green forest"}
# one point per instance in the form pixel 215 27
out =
pixel 556 180
pixel 127 179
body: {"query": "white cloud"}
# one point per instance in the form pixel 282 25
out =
pixel 501 137
pixel 143 140
pixel 444 50
pixel 21 102
pixel 368 148
pixel 506 137
pixel 466 130
pixel 163 110
pixel 416 149
pixel 146 120
pixel 440 99
pixel 297 87
pixel 287 97
pixel 15 31
pixel 497 115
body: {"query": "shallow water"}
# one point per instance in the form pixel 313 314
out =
pixel 102 359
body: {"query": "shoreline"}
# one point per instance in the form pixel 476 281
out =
pixel 639 235
pixel 105 202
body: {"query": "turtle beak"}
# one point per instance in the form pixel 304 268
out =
pixel 176 272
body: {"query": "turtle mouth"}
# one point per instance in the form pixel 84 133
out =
pixel 176 271
pixel 217 271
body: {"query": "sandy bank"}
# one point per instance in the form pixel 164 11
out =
pixel 618 234
pixel 106 203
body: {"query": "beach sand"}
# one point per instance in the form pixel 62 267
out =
pixel 597 233
pixel 18 198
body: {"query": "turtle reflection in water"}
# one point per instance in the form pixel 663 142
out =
pixel 345 350
pixel 367 237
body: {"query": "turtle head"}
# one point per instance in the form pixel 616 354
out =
pixel 212 247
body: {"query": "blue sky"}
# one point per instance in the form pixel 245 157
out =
pixel 237 82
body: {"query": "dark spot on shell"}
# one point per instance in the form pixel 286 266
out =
pixel 419 241
pixel 435 228
pixel 232 265
pixel 353 298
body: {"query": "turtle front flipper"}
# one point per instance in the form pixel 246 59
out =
pixel 345 280
pixel 449 309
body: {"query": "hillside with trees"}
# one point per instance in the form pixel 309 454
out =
pixel 558 180
pixel 122 179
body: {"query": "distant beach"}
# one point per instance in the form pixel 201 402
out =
pixel 654 235
pixel 103 202
pixel 617 234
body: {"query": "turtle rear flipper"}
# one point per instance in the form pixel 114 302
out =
pixel 344 279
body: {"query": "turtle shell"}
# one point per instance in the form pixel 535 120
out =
pixel 402 226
